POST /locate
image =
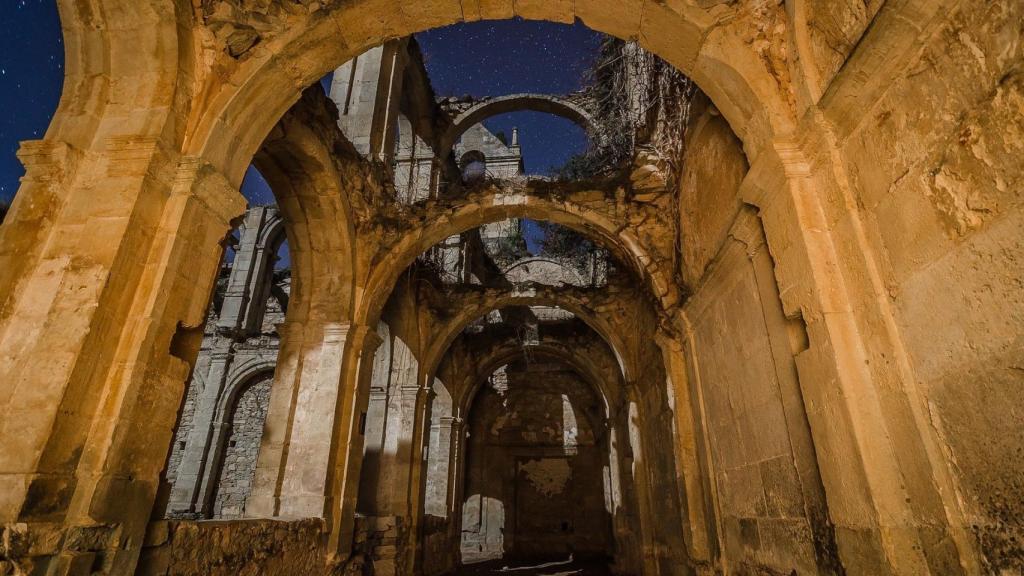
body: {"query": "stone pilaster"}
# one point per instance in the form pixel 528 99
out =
pixel 887 485
pixel 348 448
pixel 441 465
pixel 193 487
pixel 305 480
pixel 298 344
pixel 116 319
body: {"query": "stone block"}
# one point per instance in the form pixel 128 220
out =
pixel 620 19
pixel 551 10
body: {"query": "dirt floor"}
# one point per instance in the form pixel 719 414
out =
pixel 563 567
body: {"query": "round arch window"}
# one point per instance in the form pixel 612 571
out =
pixel 474 166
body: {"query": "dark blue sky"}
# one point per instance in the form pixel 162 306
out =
pixel 512 56
pixel 479 59
pixel 31 76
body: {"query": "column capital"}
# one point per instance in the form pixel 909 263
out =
pixel 201 180
pixel 452 421
pixel 48 160
pixel 367 337
pixel 336 332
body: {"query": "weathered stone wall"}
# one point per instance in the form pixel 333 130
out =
pixel 940 185
pixel 226 401
pixel 713 167
pixel 237 548
pixel 771 505
pixel 534 470
pixel 769 493
pixel 239 463
pixel 184 427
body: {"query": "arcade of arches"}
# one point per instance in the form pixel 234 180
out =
pixel 782 333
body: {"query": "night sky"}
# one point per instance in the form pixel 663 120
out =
pixel 478 59
pixel 509 57
pixel 31 76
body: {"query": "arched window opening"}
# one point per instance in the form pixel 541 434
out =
pixel 474 166
pixel 209 472
pixel 521 251
pixel 242 443
pixel 535 460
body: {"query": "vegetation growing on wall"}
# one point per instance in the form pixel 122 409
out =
pixel 641 100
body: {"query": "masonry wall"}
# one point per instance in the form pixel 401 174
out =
pixel 766 487
pixel 185 422
pixel 243 445
pixel 535 470
pixel 238 548
pixel 232 464
pixel 713 168
pixel 940 187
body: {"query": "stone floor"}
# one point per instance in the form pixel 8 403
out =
pixel 564 567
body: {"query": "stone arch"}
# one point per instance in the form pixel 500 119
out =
pixel 300 167
pixel 508 352
pixel 498 206
pixel 317 218
pixel 567 271
pixel 250 374
pixel 704 44
pixel 563 106
pixel 238 379
pixel 127 85
pixel 621 485
pixel 467 314
pixel 274 233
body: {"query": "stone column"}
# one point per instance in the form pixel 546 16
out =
pixel 347 450
pixel 100 334
pixel 405 440
pixel 295 337
pixel 440 466
pixel 374 423
pixel 192 489
pixel 459 470
pixel 418 421
pixel 304 482
pixel 248 285
pixel 392 487
pixel 293 465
